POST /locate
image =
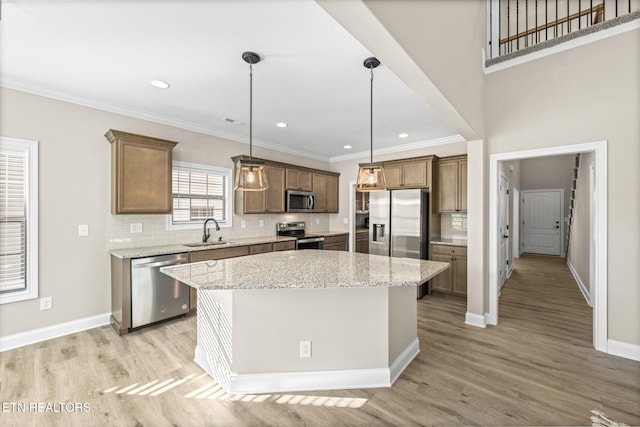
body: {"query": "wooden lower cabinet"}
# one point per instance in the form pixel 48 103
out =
pixel 454 279
pixel 362 241
pixel 284 246
pixel 338 242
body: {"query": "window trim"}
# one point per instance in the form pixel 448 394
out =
pixel 229 195
pixel 31 291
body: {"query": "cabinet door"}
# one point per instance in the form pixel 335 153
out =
pixel 252 201
pixel 460 275
pixel 141 173
pixel 332 194
pixel 443 281
pixel 414 174
pixel 447 187
pixel 393 176
pixel 274 195
pixel 305 181
pixel 320 191
pixel 462 186
pixel 293 179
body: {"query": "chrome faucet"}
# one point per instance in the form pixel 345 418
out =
pixel 206 234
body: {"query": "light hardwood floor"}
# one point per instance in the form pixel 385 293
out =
pixel 537 367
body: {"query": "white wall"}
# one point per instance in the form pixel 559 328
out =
pixel 580 239
pixel 586 94
pixel 75 189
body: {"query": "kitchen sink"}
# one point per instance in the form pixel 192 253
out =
pixel 207 244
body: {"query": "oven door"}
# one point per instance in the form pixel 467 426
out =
pixel 310 243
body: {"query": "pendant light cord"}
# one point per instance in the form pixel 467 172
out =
pixel 371 116
pixel 250 111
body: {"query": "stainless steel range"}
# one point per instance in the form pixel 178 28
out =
pixel 303 239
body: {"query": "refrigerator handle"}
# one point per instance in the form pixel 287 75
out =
pixel 378 232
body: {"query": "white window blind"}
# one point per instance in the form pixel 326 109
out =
pixel 200 192
pixel 18 220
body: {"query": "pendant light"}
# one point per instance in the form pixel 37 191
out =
pixel 371 175
pixel 250 174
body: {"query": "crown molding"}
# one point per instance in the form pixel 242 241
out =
pixel 137 113
pixel 400 148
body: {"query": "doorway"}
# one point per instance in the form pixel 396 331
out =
pixel 600 230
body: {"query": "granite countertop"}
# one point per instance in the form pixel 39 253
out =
pixel 306 269
pixel 178 248
pixel 449 242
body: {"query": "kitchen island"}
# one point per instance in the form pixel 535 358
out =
pixel 306 320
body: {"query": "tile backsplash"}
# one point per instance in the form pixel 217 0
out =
pixel 453 226
pixel 154 229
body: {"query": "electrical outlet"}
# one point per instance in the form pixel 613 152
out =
pixel 135 227
pixel 243 224
pixel 345 220
pixel 305 349
pixel 317 220
pixel 83 230
pixel 261 223
pixel 45 303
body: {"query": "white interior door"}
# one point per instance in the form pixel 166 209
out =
pixel 542 221
pixel 515 225
pixel 503 230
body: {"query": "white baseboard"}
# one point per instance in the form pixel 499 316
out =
pixel 623 349
pixel 10 342
pixel 315 380
pixel 478 320
pixel 581 285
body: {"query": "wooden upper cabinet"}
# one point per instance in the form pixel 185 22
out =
pixel 140 173
pixel 325 189
pixel 320 191
pixel 298 180
pixel 269 201
pixel 452 184
pixel 410 173
pixel 332 194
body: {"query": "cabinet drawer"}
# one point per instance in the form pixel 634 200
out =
pixel 261 248
pixel 340 238
pixel 284 246
pixel 212 254
pixel 450 250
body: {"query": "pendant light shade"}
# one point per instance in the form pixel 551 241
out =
pixel 250 173
pixel 371 175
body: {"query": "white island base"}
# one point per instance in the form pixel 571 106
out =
pixel 249 340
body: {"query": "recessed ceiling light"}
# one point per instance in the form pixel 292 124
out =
pixel 159 84
pixel 403 135
pixel 234 121
pixel 281 124
pixel 347 147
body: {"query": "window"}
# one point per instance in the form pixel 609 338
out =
pixel 200 192
pixel 18 220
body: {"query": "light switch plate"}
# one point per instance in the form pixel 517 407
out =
pixel 83 230
pixel 135 227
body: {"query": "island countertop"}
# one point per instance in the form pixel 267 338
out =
pixel 306 269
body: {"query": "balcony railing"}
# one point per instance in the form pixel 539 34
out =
pixel 519 24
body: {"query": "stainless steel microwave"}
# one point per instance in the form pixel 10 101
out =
pixel 300 201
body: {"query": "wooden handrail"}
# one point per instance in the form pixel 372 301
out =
pixel 598 10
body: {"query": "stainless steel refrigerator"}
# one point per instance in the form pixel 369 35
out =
pixel 398 223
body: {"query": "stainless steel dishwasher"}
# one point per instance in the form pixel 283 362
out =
pixel 154 295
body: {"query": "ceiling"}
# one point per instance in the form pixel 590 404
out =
pixel 104 54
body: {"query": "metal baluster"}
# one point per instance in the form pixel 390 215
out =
pixel 591 12
pixel 537 32
pixel 546 21
pixel 568 20
pixel 604 9
pixel 616 8
pixel 517 25
pixel 580 16
pixel 508 29
pixel 555 30
pixel 526 23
